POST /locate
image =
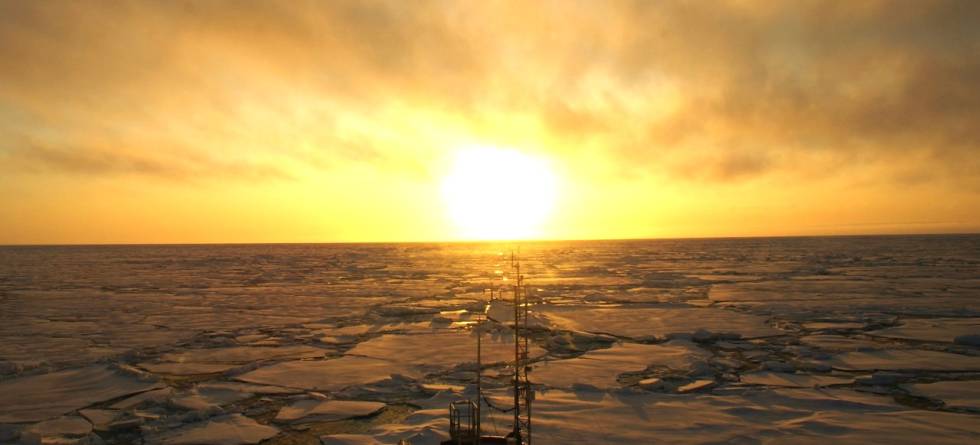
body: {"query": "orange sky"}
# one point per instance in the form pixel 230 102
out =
pixel 309 121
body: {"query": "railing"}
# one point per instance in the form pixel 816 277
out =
pixel 462 422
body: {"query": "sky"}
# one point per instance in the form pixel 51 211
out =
pixel 314 121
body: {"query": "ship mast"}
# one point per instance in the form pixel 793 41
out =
pixel 523 393
pixel 465 416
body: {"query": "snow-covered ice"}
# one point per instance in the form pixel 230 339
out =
pixel 326 375
pixel 232 429
pixel 39 397
pixel 931 329
pixel 641 323
pixel 905 360
pixel 601 368
pixel 954 394
pixel 776 379
pixel 454 347
pixel 311 410
pixel 790 340
pixel 210 361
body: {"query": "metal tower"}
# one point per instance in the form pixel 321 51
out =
pixel 465 415
pixel 523 393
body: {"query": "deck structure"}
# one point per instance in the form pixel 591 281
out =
pixel 465 415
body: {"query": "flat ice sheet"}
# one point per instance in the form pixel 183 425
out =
pixel 833 325
pixel 39 397
pixel 217 360
pixel 247 388
pixel 232 429
pixel 600 368
pixel 633 322
pixel 831 342
pixel 186 306
pixel 326 375
pixel 905 360
pixel 955 394
pixel 440 350
pixel 312 410
pixel 779 416
pixel 835 288
pixel 349 439
pixel 243 354
pixel 793 380
pixel 186 369
pixel 931 329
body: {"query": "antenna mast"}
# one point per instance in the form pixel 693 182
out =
pixel 464 415
pixel 523 393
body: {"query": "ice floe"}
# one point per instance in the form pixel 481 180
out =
pixel 769 341
pixel 639 323
pixel 601 368
pixel 325 375
pixel 793 380
pixel 954 394
pixel 349 439
pixel 448 349
pixel 217 360
pixel 232 429
pixel 40 397
pixel 312 410
pixel 905 360
pixel 931 329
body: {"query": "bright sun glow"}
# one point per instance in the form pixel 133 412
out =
pixel 493 193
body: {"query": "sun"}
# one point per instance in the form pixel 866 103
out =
pixel 499 194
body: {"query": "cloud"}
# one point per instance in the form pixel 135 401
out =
pixel 816 84
pixel 704 91
pixel 82 160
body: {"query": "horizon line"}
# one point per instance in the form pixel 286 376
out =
pixel 491 241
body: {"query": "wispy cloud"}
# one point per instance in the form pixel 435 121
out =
pixel 707 91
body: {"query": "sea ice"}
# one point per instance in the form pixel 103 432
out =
pixel 931 329
pixel 380 327
pixel 792 380
pixel 39 397
pixel 830 342
pixel 101 418
pixel 184 310
pixel 901 427
pixel 211 361
pixel 779 416
pixel 326 375
pixel 955 394
pixel 247 388
pixel 349 439
pixel 243 354
pixel 638 322
pixel 204 398
pixel 832 325
pixel 154 397
pixel 423 427
pixel 600 368
pixel 439 350
pixel 905 360
pixel 186 369
pixel 232 429
pixel 831 288
pixel 697 385
pixel 71 426
pixel 311 410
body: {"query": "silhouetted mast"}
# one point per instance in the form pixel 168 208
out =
pixel 523 393
pixel 465 415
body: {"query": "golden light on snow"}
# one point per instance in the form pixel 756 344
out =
pixel 497 193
